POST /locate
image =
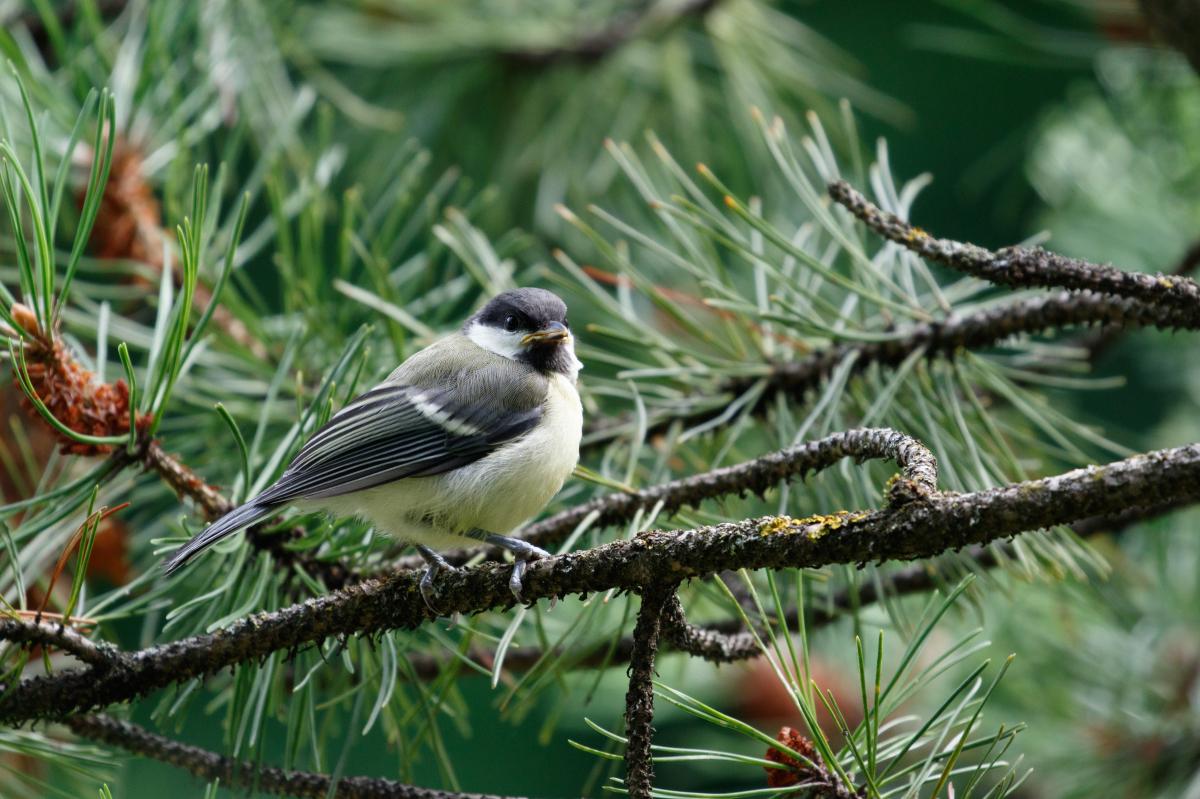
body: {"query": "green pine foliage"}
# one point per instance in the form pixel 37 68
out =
pixel 249 213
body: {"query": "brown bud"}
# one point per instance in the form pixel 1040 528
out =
pixel 797 771
pixel 26 318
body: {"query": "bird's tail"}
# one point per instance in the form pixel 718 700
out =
pixel 223 527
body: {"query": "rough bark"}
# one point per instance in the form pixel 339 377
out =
pixel 918 528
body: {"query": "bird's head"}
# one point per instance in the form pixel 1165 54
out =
pixel 527 325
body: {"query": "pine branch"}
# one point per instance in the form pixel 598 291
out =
pixel 986 328
pixel 342 613
pixel 720 642
pixel 921 527
pixel 210 766
pixel 1142 300
pixel 639 699
pixel 711 643
pixel 1022 267
pixel 1099 342
pixel 98 654
pixel 752 477
pixel 727 641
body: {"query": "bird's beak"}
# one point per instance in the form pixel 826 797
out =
pixel 553 333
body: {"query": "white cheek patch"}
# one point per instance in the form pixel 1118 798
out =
pixel 508 345
pixel 494 340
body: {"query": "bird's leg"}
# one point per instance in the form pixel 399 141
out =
pixel 434 564
pixel 522 551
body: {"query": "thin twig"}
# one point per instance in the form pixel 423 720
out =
pixel 1022 267
pixel 942 339
pixel 639 699
pixel 210 766
pixel 46 633
pixel 921 528
pixel 710 643
pixel 1101 340
pixel 213 505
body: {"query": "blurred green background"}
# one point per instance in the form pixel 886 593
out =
pixel 1035 117
pixel 974 116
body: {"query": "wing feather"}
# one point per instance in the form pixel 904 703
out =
pixel 393 432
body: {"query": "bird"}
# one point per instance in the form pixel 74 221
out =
pixel 464 441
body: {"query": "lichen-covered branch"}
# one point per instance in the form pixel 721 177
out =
pixel 1098 342
pixel 242 774
pixel 639 699
pixel 55 634
pixel 920 528
pixel 1023 267
pixel 727 641
pixel 986 328
pixel 917 466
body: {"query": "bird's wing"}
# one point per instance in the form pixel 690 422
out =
pixel 396 431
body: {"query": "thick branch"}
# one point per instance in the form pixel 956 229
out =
pixel 986 328
pixel 242 774
pixel 1023 267
pixel 727 641
pixel 917 465
pixel 921 528
pixel 639 699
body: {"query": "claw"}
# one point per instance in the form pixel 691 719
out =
pixel 436 563
pixel 523 552
pixel 514 580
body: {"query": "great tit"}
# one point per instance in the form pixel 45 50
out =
pixel 464 441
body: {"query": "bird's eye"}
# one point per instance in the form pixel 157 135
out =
pixel 510 323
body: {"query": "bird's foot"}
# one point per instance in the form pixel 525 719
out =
pixel 435 563
pixel 523 552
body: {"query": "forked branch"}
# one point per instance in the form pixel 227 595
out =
pixel 639 699
pixel 921 527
